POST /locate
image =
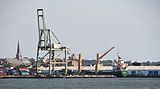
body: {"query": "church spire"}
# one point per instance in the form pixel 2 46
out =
pixel 18 55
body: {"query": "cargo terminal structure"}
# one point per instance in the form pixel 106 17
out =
pixel 133 71
pixel 77 67
pixel 50 51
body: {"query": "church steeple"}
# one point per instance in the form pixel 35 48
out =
pixel 18 55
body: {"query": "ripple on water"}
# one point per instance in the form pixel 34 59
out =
pixel 81 83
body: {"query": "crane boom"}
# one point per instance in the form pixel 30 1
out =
pixel 106 53
pixel 100 57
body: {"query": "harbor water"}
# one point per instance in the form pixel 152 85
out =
pixel 80 83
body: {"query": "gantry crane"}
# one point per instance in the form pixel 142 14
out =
pixel 47 48
pixel 100 57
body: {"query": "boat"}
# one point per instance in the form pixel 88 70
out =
pixel 120 69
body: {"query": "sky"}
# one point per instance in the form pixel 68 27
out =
pixel 84 26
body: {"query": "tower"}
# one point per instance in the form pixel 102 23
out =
pixel 18 54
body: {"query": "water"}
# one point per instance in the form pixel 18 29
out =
pixel 81 83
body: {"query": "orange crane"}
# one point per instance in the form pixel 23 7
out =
pixel 100 57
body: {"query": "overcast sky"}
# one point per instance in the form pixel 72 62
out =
pixel 84 26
